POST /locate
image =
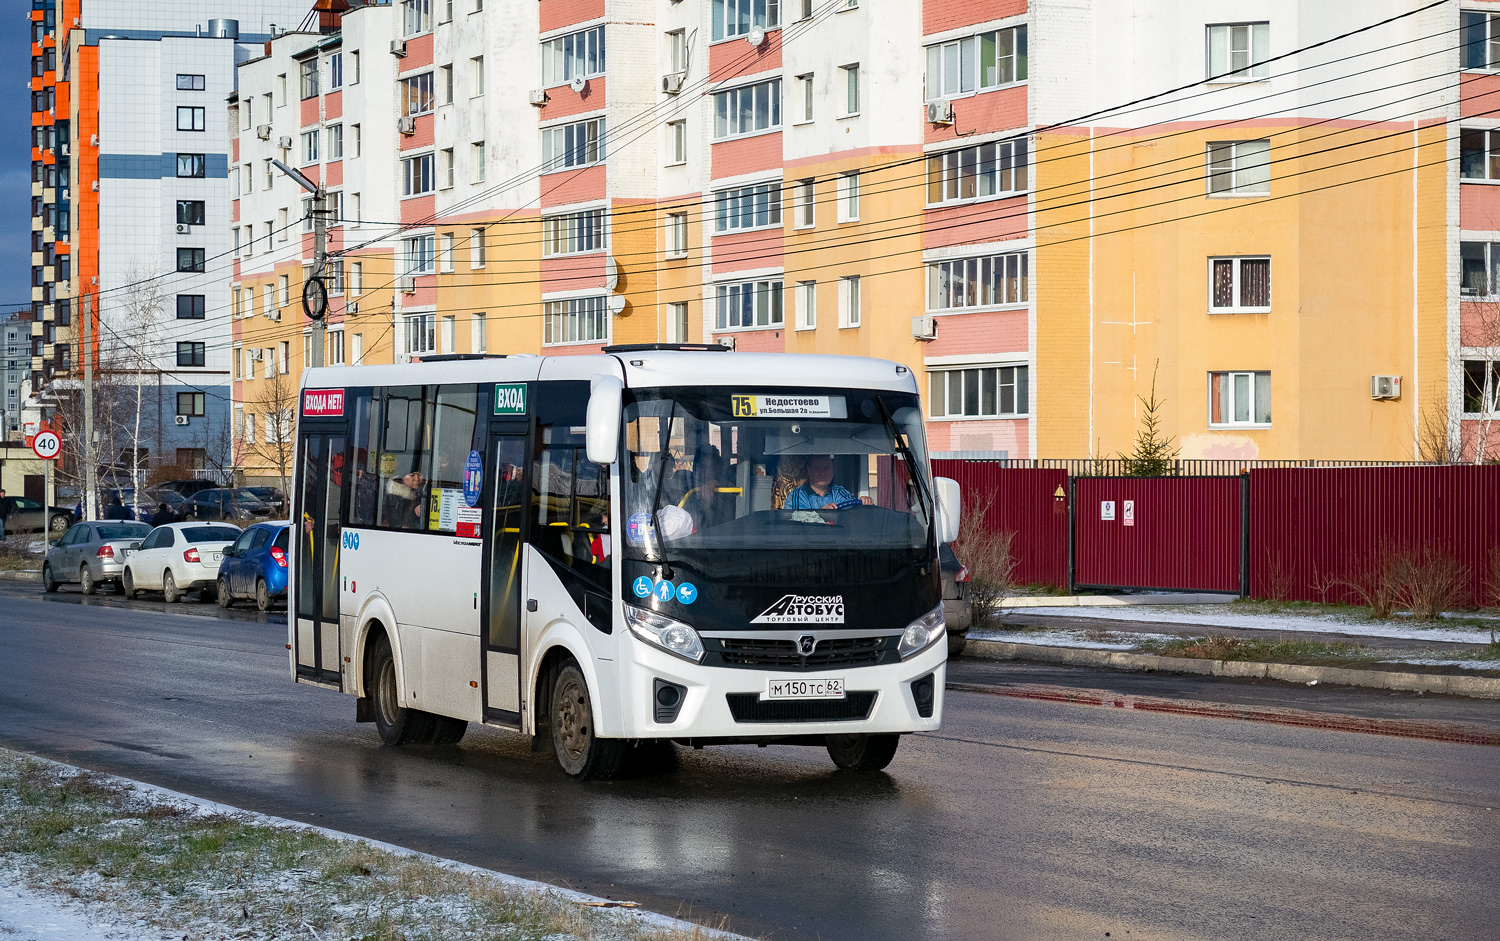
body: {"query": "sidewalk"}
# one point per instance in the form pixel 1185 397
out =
pixel 1453 656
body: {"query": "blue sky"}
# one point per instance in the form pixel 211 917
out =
pixel 15 160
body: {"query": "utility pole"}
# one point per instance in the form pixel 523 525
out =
pixel 90 464
pixel 314 292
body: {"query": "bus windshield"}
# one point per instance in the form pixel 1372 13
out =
pixel 781 469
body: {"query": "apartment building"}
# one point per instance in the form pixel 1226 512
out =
pixel 1044 207
pixel 131 206
pixel 15 371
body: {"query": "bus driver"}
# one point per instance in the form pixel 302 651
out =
pixel 820 492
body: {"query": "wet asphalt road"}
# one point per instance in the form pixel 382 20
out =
pixel 1019 820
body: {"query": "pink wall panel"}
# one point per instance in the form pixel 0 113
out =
pixel 581 349
pixel 333 173
pixel 576 273
pixel 992 221
pixel 744 250
pixel 757 341
pixel 309 111
pixel 1011 435
pixel 996 331
pixel 745 155
pixel 1478 95
pixel 572 186
pixel 234 211
pixel 563 101
pixel 423 136
pixel 418 209
pixel 418 54
pixel 556 14
pixel 333 105
pixel 737 58
pixel 941 15
pixel 990 111
pixel 1479 207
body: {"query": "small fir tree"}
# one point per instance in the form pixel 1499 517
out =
pixel 1154 454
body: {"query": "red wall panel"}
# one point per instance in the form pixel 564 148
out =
pixel 1022 500
pixel 1186 534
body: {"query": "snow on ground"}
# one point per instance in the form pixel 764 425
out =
pixel 1113 640
pixel 1216 616
pixel 28 915
pixel 1465 664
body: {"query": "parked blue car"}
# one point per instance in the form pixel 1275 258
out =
pixel 255 566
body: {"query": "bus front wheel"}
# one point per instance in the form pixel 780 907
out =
pixel 579 751
pixel 862 752
pixel 396 725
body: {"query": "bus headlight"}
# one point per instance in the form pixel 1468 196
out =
pixel 923 633
pixel 659 630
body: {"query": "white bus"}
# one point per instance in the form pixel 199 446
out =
pixel 656 544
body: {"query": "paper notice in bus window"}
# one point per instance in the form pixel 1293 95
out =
pixel 468 520
pixel 788 406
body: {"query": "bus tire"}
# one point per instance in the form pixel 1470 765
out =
pixel 580 753
pixel 862 752
pixel 447 730
pixel 396 725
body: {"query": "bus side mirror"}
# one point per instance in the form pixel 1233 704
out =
pixel 603 423
pixel 949 507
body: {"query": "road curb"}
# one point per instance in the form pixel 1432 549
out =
pixel 1474 687
pixel 1116 601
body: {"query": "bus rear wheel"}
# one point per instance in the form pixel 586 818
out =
pixel 862 752
pixel 581 753
pixel 396 725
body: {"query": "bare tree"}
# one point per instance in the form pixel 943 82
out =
pixel 275 400
pixel 141 310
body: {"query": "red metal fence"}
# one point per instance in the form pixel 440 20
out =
pixel 1025 502
pixel 1168 533
pixel 1310 528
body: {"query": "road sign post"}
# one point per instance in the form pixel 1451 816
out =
pixel 47 446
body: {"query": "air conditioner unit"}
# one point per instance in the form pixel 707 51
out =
pixel 182 419
pixel 1385 387
pixel 406 125
pixel 285 142
pixel 407 284
pixel 184 229
pixel 538 97
pixel 671 83
pixel 924 328
pixel 398 48
pixel 94 140
pixel 274 314
pixel 403 358
pixel 94 185
pixel 352 307
pixel 263 131
pixel 940 112
pixel 727 342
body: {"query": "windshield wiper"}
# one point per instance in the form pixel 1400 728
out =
pixel 663 459
pixel 898 441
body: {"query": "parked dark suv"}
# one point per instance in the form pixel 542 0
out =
pixel 188 487
pixel 236 505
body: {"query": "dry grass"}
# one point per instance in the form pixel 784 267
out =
pixel 16 553
pixel 214 876
pixel 989 554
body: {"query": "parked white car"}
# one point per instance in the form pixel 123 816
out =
pixel 177 558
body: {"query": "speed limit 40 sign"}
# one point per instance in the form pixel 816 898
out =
pixel 46 445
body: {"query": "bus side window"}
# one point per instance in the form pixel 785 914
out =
pixel 366 429
pixel 453 437
pixel 570 493
pixel 405 462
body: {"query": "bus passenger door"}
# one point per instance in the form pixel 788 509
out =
pixel 501 613
pixel 317 529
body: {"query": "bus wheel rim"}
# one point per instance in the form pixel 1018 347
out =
pixel 387 696
pixel 571 728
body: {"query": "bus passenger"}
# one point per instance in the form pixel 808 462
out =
pixel 406 502
pixel 708 505
pixel 820 492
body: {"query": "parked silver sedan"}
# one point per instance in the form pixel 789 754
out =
pixel 91 554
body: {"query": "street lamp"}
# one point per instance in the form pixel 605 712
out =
pixel 314 299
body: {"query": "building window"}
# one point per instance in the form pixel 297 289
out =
pixel 283 290
pixel 1237 52
pixel 677 50
pixel 573 232
pixel 476 248
pixel 851 89
pixel 187 82
pixel 1479 269
pixel 677 134
pixel 677 322
pixel 849 301
pixel 356 278
pixel 1239 398
pixel 335 141
pixel 577 320
pixel 335 66
pixel 192 118
pixel 416 94
pixel 445 74
pixel 445 252
pixel 966 283
pixel 1239 285
pixel 447 335
pixel 445 168
pixel 190 259
pixel 477 157
pixel 190 404
pixel 737 17
pixel 308 75
pixel 748 207
pixel 975 63
pixel 421 333
pixel 479 339
pixel 1239 168
pixel 677 238
pixel 1479 153
pixel 807 305
pixel 357 349
pixel 849 197
pixel 804 206
pixel 354 129
pixel 416 17
pixel 310 140
pixel 420 254
pixel 335 347
pixel 333 273
pixel 1481 387
pixel 190 354
pixel 983 392
pixel 190 211
pixel 192 307
pixel 748 304
pixel 476 73
pixel 576 55
pixel 803 108
pixel 747 109
pixel 416 175
pixel 978 172
pixel 572 145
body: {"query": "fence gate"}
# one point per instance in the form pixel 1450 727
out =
pixel 1160 533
